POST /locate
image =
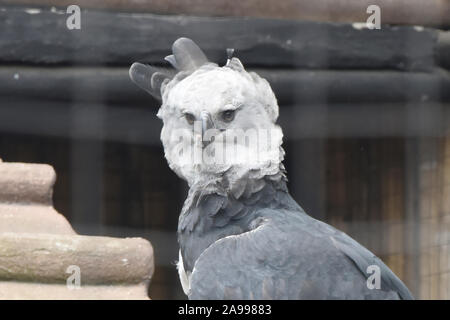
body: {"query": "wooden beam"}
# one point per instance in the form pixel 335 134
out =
pixel 113 86
pixel 141 126
pixel 443 50
pixel 41 36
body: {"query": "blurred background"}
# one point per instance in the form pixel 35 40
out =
pixel 365 114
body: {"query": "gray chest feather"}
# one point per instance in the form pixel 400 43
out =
pixel 213 217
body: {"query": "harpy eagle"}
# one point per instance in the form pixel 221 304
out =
pixel 241 234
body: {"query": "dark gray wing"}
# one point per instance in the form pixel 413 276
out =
pixel 233 268
pixel 363 258
pixel 289 256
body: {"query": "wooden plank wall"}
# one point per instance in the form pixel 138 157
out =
pixel 369 197
pixel 434 217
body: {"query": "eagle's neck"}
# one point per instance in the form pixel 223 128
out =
pixel 227 202
pixel 241 190
pixel 210 213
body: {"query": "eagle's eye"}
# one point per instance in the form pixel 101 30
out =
pixel 228 115
pixel 190 118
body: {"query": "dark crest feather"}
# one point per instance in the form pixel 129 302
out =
pixel 149 78
pixel 187 56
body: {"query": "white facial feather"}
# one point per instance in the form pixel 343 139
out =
pixel 212 90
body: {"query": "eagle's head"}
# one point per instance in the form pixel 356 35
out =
pixel 218 121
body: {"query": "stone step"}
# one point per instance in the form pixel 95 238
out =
pixel 14 290
pixel 45 258
pixel 26 183
pixel 41 256
pixel 32 219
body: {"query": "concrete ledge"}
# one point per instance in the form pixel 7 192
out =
pixel 102 260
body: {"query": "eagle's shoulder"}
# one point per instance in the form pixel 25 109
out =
pixel 288 255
